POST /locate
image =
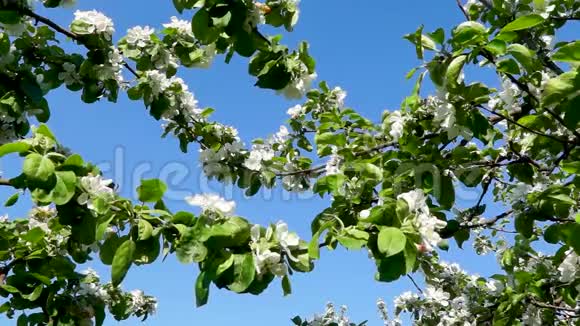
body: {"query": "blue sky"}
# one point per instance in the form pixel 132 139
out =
pixel 358 45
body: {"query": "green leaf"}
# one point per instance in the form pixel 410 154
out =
pixel 35 293
pixel 524 55
pixel 552 234
pixel 12 200
pixel 329 138
pixel 244 272
pixel 523 22
pixel 402 209
pixel 391 241
pixel 470 32
pixel 286 286
pixel 525 225
pixel 445 192
pixel 122 261
pixel 560 87
pixel 145 229
pixel 313 247
pixel 151 190
pixel 369 170
pixel 38 168
pixel 31 89
pixel 34 235
pixel 410 253
pixel 391 268
pixel 461 236
pixel 568 53
pixel 202 289
pixel 64 188
pixel 353 239
pixel 16 147
pixel 45 131
pixel 454 70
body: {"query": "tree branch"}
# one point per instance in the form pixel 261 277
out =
pixel 50 23
pixel 64 31
pixel 460 5
pixel 554 307
pixel 5 182
pixel 489 222
pixel 561 140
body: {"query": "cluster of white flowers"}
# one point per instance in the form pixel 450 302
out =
pixel 333 163
pixel 265 152
pixel 4 218
pixel 142 304
pixel 451 297
pixel 95 23
pixel 139 37
pixel 396 122
pixel 296 111
pixel 158 82
pixel 112 69
pixel 521 191
pixel 212 202
pixel 426 224
pixel 183 102
pixel 95 187
pixel 445 115
pixel 300 84
pixel 39 216
pixel 182 26
pixel 330 317
pixel 69 74
pixel 507 97
pixel 216 163
pixel 266 260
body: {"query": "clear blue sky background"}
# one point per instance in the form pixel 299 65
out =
pixel 358 45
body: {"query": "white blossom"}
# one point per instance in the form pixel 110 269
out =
pixel 212 202
pixel 299 85
pixel 437 295
pixel 139 36
pixel 158 82
pixel 569 267
pixel 209 53
pixel 93 290
pixel 495 287
pixel 287 240
pixel 508 97
pixel 426 224
pixel 364 214
pixel 94 187
pixel 268 261
pixel 333 163
pixel 182 26
pixel 4 218
pixel 96 22
pixel 296 111
pixel 397 125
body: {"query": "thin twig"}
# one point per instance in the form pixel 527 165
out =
pixel 550 306
pixel 415 283
pixel 524 127
pixel 5 182
pixel 460 5
pixel 489 222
